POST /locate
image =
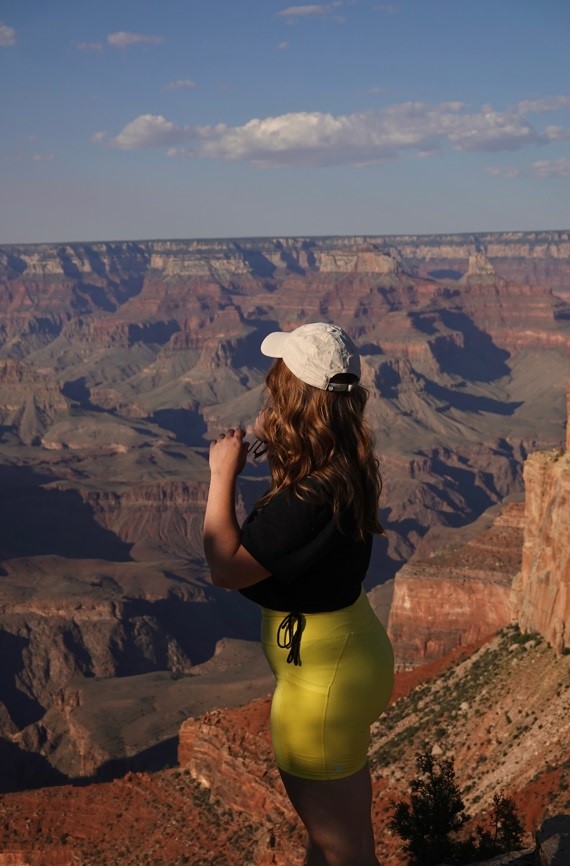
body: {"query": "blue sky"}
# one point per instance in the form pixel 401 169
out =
pixel 137 119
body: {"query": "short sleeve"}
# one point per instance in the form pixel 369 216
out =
pixel 289 535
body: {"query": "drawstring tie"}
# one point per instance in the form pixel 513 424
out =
pixel 292 625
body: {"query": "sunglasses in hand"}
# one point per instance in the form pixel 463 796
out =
pixel 258 448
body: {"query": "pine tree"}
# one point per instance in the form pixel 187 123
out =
pixel 506 833
pixel 435 811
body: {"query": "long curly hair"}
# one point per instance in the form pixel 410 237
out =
pixel 314 435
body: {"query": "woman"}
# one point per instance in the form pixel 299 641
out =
pixel 302 555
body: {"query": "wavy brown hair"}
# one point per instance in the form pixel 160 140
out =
pixel 321 435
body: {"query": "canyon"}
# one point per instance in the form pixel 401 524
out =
pixel 118 361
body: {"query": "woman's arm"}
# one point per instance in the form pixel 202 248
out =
pixel 231 566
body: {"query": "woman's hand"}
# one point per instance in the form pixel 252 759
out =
pixel 228 453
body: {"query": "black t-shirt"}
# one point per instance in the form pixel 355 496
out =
pixel 315 564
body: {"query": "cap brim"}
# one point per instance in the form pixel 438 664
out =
pixel 274 344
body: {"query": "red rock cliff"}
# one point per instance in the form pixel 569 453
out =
pixel 457 596
pixel 229 753
pixel 541 592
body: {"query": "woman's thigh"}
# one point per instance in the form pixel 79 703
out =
pixel 337 815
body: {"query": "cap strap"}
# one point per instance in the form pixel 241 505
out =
pixel 341 386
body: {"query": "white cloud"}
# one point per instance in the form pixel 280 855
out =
pixel 180 84
pixel 121 39
pixel 303 11
pixel 89 46
pixel 282 46
pixel 552 167
pixel 389 8
pixel 546 103
pixel 149 130
pixel 42 157
pixel 7 35
pixel 98 137
pixel 378 91
pixel 318 138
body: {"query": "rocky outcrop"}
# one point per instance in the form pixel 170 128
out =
pixel 516 315
pixel 215 752
pixel 553 842
pixel 479 266
pixel 89 626
pixel 168 515
pixel 541 593
pixel 30 400
pixel 458 595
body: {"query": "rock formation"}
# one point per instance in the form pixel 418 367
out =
pixel 496 581
pixel 215 747
pixel 480 266
pixel 458 595
pixel 541 592
pixel 30 400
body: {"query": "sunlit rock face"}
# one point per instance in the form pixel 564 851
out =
pixel 541 596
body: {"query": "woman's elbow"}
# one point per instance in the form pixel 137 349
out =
pixel 223 577
pixel 220 579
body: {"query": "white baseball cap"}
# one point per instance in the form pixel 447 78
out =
pixel 316 353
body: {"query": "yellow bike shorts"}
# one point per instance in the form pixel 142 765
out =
pixel 323 707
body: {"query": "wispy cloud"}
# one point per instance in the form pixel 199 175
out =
pixel 552 167
pixel 378 91
pixel 388 8
pixel 42 157
pixel 181 84
pixel 303 11
pixel 7 35
pixel 502 171
pixel 98 137
pixel 545 103
pixel 122 39
pixel 557 133
pixel 282 46
pixel 89 46
pixel 318 138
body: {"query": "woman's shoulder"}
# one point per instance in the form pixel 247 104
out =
pixel 308 495
pixel 310 487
